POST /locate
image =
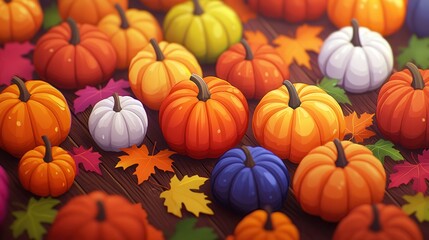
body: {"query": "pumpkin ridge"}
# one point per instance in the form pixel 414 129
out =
pixel 233 183
pixel 325 178
pixel 407 108
pixel 316 122
pixel 100 66
pixel 29 12
pixel 54 113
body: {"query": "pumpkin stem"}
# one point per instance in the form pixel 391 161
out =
pixel 203 89
pixel 159 55
pixel 75 38
pixel 123 16
pixel 268 223
pixel 101 213
pixel 375 226
pixel 117 107
pixel 356 39
pixel 294 101
pixel 24 95
pixel 48 149
pixel 341 155
pixel 198 10
pixel 418 82
pixel 249 53
pixel 249 162
pixel 7 1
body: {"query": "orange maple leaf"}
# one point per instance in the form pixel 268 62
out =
pixel 357 126
pixel 242 9
pixel 291 49
pixel 256 37
pixel 146 164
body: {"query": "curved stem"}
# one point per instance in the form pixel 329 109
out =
pixel 48 149
pixel 198 10
pixel 249 162
pixel 294 101
pixel 123 16
pixel 75 37
pixel 418 82
pixel 7 1
pixel 101 211
pixel 249 53
pixel 159 54
pixel 117 107
pixel 356 39
pixel 203 89
pixel 341 155
pixel 375 226
pixel 268 223
pixel 24 94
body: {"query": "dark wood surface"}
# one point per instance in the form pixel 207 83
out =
pixel 117 181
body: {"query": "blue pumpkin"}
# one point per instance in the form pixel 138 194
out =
pixel 250 178
pixel 418 17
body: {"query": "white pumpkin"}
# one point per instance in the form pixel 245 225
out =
pixel 118 122
pixel 359 58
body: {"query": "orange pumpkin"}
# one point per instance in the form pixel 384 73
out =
pixel 20 20
pixel 295 118
pixel 88 11
pixel 46 170
pixel 73 56
pixel 203 118
pixel 161 5
pixel 377 222
pixel 253 68
pixel 99 216
pixel 337 177
pixel 129 32
pixel 30 110
pixel 157 68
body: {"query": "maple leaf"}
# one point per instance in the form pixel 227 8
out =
pixel 255 37
pixel 382 149
pixel 242 9
pixel 89 159
pixel 417 52
pixel 13 63
pixel 89 96
pixel 357 126
pixel 181 193
pixel 417 172
pixel 145 164
pixel 418 204
pixel 330 86
pixel 31 220
pixel 291 49
pixel 51 17
pixel 186 229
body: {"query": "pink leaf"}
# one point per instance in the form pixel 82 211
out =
pixel 89 96
pixel 89 159
pixel 12 63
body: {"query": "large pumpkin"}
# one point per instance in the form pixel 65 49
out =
pixel 337 177
pixel 385 17
pixel 157 68
pixel 73 56
pixel 377 222
pixel 206 28
pixel 161 5
pixel 402 108
pixel 418 17
pixel 20 20
pixel 253 68
pixel 30 110
pixel 129 32
pixel 295 118
pixel 4 194
pixel 203 118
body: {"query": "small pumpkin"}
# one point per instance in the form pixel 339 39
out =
pixel 402 108
pixel 118 122
pixel 73 56
pixel 129 32
pixel 157 68
pixel 46 170
pixel 30 110
pixel 161 5
pixel 337 177
pixel 418 18
pixel 203 118
pixel 254 69
pixel 4 194
pixel 295 118
pixel 20 20
pixel 360 59
pixel 250 178
pixel 98 216
pixel 377 221
pixel 206 28
pixel 90 12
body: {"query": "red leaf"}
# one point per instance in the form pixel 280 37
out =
pixel 12 63
pixel 89 159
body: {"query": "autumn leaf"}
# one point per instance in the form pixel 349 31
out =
pixel 181 193
pixel 51 16
pixel 358 126
pixel 186 229
pixel 417 51
pixel 255 37
pixel 382 149
pixel 418 204
pixel 151 231
pixel 89 159
pixel 13 63
pixel 243 10
pixel 330 86
pixel 145 163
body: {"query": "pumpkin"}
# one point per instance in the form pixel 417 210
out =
pixel 254 69
pixel 337 177
pixel 385 17
pixel 290 10
pixel 295 118
pixel 360 59
pixel 206 28
pixel 203 118
pixel 418 18
pixel 118 122
pixel 99 216
pixel 129 33
pixel 157 68
pixel 20 20
pixel 30 110
pixel 377 222
pixel 91 12
pixel 161 5
pixel 73 56
pixel 402 108
pixel 46 170
pixel 4 194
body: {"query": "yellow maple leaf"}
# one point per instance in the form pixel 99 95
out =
pixel 243 10
pixel 181 193
pixel 145 163
pixel 357 126
pixel 256 37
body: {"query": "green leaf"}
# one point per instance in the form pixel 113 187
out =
pixel 382 149
pixel 417 52
pixel 331 87
pixel 37 212
pixel 185 229
pixel 418 204
pixel 51 16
